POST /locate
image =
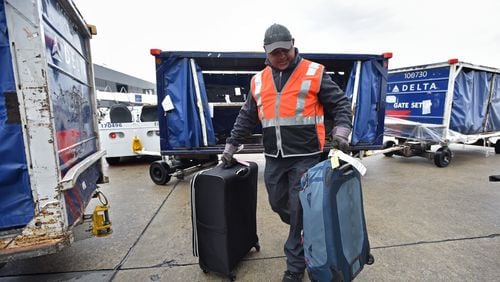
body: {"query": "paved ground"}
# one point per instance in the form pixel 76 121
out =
pixel 425 224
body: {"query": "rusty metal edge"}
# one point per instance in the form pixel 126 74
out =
pixel 24 252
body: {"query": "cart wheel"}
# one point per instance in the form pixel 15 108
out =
pixel 113 160
pixel 497 147
pixel 442 157
pixel 389 144
pixel 371 259
pixel 159 172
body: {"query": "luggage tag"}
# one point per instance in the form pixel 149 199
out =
pixel 335 155
pixel 334 161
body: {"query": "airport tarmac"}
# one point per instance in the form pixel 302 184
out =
pixel 425 224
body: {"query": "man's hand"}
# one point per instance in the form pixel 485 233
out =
pixel 340 139
pixel 340 143
pixel 227 156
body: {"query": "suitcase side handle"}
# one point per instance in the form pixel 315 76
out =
pixel 346 169
pixel 243 172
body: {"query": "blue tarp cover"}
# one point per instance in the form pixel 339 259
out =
pixel 470 103
pixel 183 121
pixel 493 124
pixel 16 202
pixel 366 115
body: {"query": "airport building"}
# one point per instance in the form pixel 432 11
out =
pixel 108 80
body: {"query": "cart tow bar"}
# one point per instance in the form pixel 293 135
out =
pixel 181 173
pixel 388 150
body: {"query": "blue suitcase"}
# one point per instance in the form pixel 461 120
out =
pixel 336 243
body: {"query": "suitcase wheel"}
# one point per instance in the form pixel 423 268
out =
pixel 371 259
pixel 204 270
pixel 257 247
pixel 232 277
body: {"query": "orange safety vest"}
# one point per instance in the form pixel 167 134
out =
pixel 292 120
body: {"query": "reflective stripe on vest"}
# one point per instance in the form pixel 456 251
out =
pixel 296 104
pixel 292 121
pixel 257 83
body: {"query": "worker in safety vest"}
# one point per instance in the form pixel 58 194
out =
pixel 290 97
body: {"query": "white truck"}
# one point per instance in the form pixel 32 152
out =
pixel 50 162
pixel 128 126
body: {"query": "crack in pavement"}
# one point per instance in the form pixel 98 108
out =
pixel 119 266
pixel 172 262
pixel 437 241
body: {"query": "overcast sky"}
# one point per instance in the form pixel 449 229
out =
pixel 416 32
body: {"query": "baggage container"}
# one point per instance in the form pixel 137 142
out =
pixel 336 245
pixel 201 93
pixel 224 207
pixel 440 104
pixel 50 161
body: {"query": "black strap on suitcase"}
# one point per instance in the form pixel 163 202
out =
pixel 224 205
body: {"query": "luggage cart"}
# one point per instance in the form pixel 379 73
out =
pixel 200 95
pixel 440 104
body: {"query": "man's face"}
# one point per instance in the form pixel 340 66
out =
pixel 281 58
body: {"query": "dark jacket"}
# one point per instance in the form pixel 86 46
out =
pixel 333 99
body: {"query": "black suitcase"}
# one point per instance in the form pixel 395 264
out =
pixel 224 205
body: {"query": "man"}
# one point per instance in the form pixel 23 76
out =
pixel 289 97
